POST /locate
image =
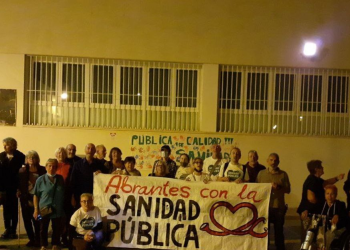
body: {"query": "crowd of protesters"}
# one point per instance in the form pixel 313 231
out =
pixel 61 192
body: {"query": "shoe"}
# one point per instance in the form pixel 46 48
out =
pixel 13 236
pixel 30 243
pixel 43 248
pixel 6 234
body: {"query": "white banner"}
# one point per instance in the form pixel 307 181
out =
pixel 163 213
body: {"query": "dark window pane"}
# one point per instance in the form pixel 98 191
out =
pixel 186 88
pixel 73 82
pixel 257 87
pixel 44 81
pixel 284 90
pixel 103 79
pixel 337 99
pixel 159 87
pixel 311 93
pixel 130 86
pixel 230 90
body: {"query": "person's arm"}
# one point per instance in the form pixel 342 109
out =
pixel 36 207
pixel 97 227
pixel 333 180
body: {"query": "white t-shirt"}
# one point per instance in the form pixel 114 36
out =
pixel 210 167
pixel 193 177
pixel 85 221
pixel 234 172
pixel 182 172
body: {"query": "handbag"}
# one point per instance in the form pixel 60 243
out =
pixel 47 210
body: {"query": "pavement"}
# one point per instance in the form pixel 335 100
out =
pixel 291 231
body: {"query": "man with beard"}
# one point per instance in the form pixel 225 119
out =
pixel 82 177
pixel 280 186
pixel 184 169
pixel 253 167
pixel 71 157
pixel 198 174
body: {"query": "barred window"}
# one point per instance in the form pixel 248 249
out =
pixel 257 87
pixel 110 93
pixel 295 101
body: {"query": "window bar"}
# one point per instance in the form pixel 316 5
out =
pixel 319 110
pixel 345 104
pixel 229 107
pixel 339 102
pixel 224 111
pixel 238 112
pixel 331 103
pixel 29 89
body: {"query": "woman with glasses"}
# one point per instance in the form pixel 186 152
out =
pixel 160 170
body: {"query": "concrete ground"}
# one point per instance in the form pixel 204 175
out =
pixel 291 231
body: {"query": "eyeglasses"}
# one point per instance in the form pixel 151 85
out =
pixel 197 162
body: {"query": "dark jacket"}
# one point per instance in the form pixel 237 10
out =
pixel 9 171
pixel 23 179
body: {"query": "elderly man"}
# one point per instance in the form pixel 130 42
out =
pixel 171 165
pixel 71 157
pixel 101 153
pixel 184 169
pixel 253 167
pixel 280 186
pixel 82 177
pixel 213 164
pixel 11 160
pixel 86 225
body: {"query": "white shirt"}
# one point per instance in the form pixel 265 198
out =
pixel 234 172
pixel 85 221
pixel 212 168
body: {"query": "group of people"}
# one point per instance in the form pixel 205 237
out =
pixel 61 192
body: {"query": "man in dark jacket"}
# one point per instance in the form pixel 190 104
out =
pixel 11 160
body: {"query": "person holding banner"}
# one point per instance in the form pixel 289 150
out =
pixel 184 170
pixel 212 165
pixel 86 225
pixel 130 169
pixel 233 171
pixel 171 167
pixel 82 177
pixel 198 174
pixel 280 186
pixel 253 167
pixel 160 170
pixel 115 165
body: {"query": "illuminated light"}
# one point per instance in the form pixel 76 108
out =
pixel 310 49
pixel 138 94
pixel 64 96
pixel 300 118
pixel 274 127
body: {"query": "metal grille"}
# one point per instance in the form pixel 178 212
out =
pixel 108 93
pixel 274 100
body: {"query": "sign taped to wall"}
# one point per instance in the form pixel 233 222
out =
pixel 163 213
